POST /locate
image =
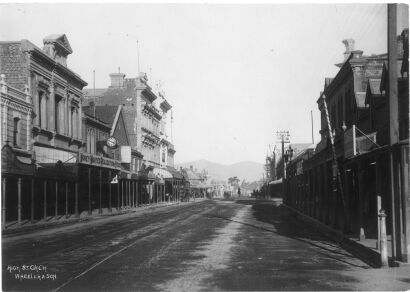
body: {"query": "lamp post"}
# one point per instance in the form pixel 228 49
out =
pixel 287 156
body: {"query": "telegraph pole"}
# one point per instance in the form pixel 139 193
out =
pixel 283 137
pixel 393 111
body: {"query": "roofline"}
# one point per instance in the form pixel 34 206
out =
pixel 117 116
pixel 33 48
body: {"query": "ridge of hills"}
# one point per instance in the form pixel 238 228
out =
pixel 248 170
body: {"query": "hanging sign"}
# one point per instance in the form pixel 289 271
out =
pixel 115 180
pixel 112 142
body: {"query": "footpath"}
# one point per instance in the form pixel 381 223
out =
pixel 12 228
pixel 365 250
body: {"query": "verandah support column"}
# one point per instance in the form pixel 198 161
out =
pixel 320 212
pixel 66 199
pixel 19 200
pixel 346 187
pixel 136 194
pixel 100 190
pixel 76 199
pixel 361 194
pixel 109 192
pixel 126 193
pixel 56 206
pixel 118 195
pixel 327 194
pixel 132 193
pixel 89 191
pixel 156 192
pixel 406 203
pixel 32 201
pixel 3 209
pixel 378 196
pixel 45 199
pixel 122 194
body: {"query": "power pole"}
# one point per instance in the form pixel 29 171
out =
pixel 393 111
pixel 283 137
pixel 336 178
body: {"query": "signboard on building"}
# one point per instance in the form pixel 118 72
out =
pixel 125 154
pixel 350 142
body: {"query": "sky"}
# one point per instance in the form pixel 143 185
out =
pixel 234 73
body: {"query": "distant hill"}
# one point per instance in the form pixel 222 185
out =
pixel 248 170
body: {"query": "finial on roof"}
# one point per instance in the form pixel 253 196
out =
pixel 349 44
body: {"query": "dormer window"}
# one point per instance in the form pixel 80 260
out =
pixel 57 47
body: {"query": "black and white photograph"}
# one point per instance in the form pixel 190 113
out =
pixel 204 146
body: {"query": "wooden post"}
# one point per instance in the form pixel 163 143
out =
pixel 32 201
pixel 362 235
pixel 56 206
pixel 118 195
pixel 45 198
pixel 66 199
pixel 393 111
pixel 378 178
pixel 129 193
pixel 383 240
pixel 100 190
pixel 19 200
pixel 137 195
pixel 405 197
pixel 89 191
pixel 109 192
pixel 122 194
pixel 4 209
pixel 379 207
pixel 76 199
pixel 157 191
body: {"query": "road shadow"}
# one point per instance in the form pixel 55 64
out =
pixel 283 223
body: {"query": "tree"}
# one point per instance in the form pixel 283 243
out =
pixel 233 181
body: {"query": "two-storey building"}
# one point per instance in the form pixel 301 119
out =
pixel 347 182
pixel 55 137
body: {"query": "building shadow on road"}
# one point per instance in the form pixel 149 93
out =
pixel 277 219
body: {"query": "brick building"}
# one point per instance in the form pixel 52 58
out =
pixel 55 135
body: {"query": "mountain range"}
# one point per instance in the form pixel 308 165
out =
pixel 248 170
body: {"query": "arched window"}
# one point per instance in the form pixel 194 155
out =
pixel 16 132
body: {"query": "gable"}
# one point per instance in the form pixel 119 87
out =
pixel 120 130
pixel 59 39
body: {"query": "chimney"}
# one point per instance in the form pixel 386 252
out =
pixel 117 80
pixel 349 44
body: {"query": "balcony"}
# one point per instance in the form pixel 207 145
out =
pixel 356 142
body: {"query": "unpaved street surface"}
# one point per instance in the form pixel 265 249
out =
pixel 209 245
